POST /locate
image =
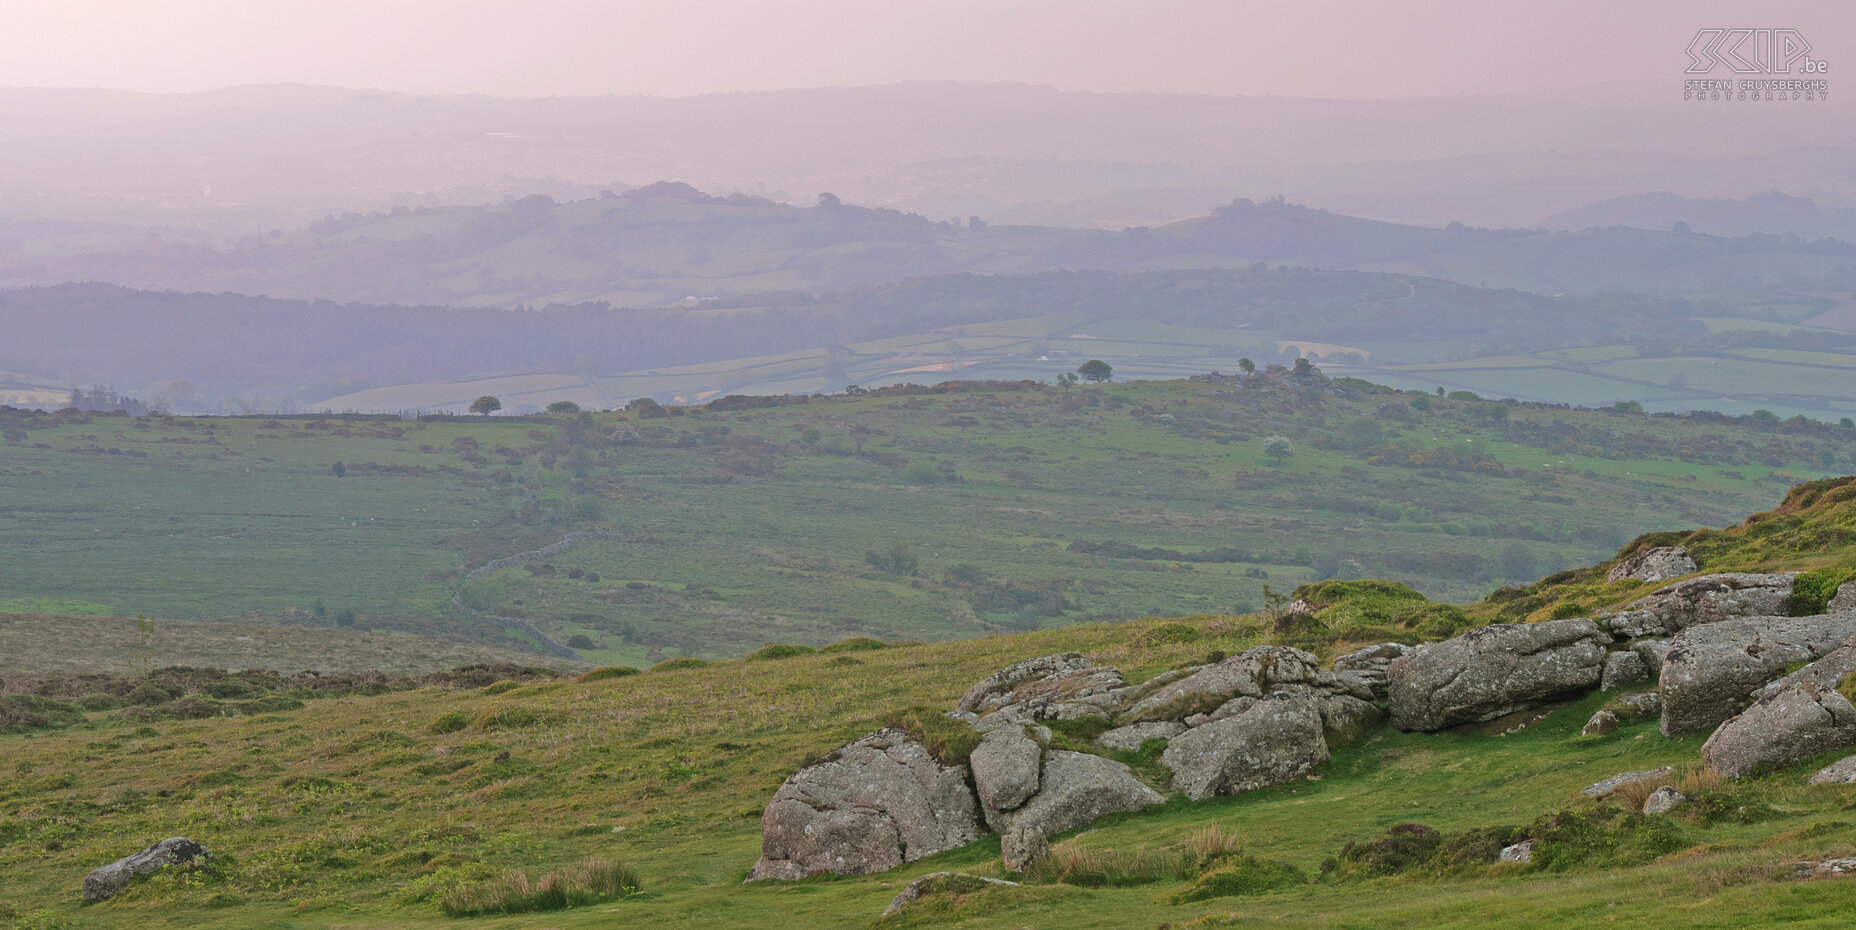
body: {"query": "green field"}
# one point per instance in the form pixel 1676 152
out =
pixel 902 514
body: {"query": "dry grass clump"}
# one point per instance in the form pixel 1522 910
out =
pixel 588 881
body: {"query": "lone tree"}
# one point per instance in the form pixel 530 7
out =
pixel 1096 371
pixel 1246 366
pixel 1066 379
pixel 1278 448
pixel 485 405
pixel 563 407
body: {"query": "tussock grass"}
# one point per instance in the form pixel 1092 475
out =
pixel 589 881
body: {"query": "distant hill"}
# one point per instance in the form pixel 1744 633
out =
pixel 668 243
pixel 1769 213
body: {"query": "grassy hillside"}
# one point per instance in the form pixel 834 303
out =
pixel 666 242
pixel 903 514
pixel 366 811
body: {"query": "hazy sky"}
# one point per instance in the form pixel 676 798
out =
pixel 1367 48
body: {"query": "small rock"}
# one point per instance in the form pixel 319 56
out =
pixel 1652 651
pixel 929 882
pixel 1522 852
pixel 1602 723
pixel 1810 869
pixel 1130 737
pixel 1600 789
pixel 1840 772
pixel 1663 800
pixel 108 881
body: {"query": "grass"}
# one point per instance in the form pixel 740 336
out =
pixel 746 525
pixel 354 810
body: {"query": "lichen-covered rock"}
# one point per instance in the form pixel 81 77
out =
pixel 1783 726
pixel 1077 789
pixel 1840 772
pixel 1652 651
pixel 1711 672
pixel 1522 852
pixel 1278 739
pixel 1130 737
pixel 1653 565
pixel 1345 717
pixel 1704 600
pixel 1826 672
pixel 941 881
pixel 1021 846
pixel 1663 800
pixel 1602 723
pixel 1370 664
pixel 1603 788
pixel 1065 678
pixel 1494 671
pixel 1637 706
pixel 1845 598
pixel 1252 673
pixel 1005 771
pixel 872 805
pixel 1623 669
pixel 108 881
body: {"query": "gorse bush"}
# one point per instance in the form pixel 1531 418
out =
pixel 773 651
pixel 589 881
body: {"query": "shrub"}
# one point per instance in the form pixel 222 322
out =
pixel 1812 591
pixel 855 644
pixel 21 712
pixel 1401 847
pixel 671 665
pixel 610 671
pixel 449 722
pixel 1239 875
pixel 950 741
pixel 1161 634
pixel 773 651
pixel 501 687
pixel 589 881
pixel 581 641
pixel 511 718
pixel 922 473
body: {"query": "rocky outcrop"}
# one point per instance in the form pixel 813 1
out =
pixel 1653 565
pixel 1782 726
pixel 1699 601
pixel 1251 673
pixel 1710 672
pixel 1054 687
pixel 872 805
pixel 1637 706
pixel 110 880
pixel 1827 672
pixel 1130 737
pixel 1076 789
pixel 1494 671
pixel 1276 739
